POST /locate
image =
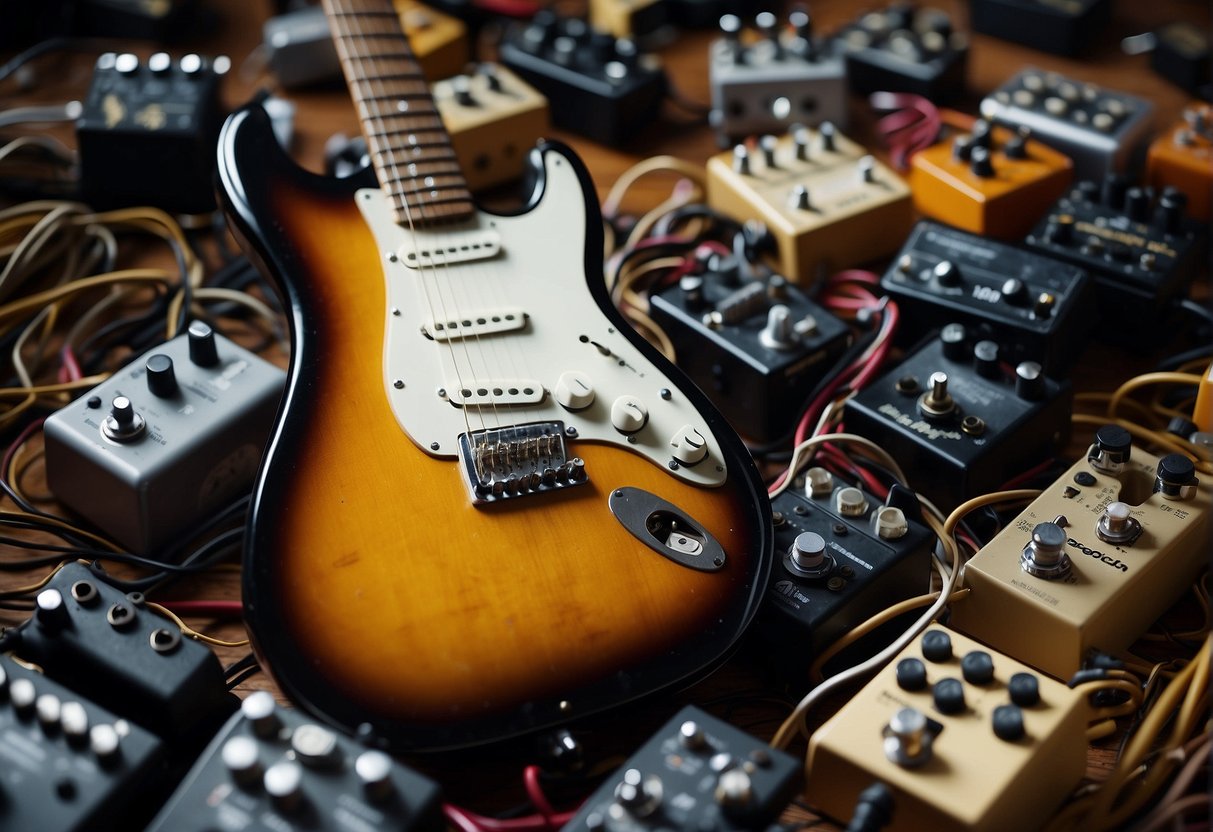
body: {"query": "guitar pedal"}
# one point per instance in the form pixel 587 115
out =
pixel 494 118
pixel 828 203
pixel 756 348
pixel 70 764
pixel 1179 52
pixel 1061 28
pixel 845 556
pixel 183 435
pixel 300 49
pixel 629 18
pixel 1036 308
pixel 955 417
pixel 1093 561
pixel 270 768
pixel 1100 130
pixel 597 85
pixel 695 773
pixel 990 181
pixel 768 84
pixel 148 130
pixel 904 49
pixel 1142 252
pixel 965 739
pixel 1182 158
pixel 90 636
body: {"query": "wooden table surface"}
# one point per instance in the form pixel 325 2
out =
pixel 491 779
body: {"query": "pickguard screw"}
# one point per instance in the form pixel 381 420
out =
pixel 570 431
pixel 666 394
pixel 392 258
pixel 398 384
pixel 395 312
pixel 434 446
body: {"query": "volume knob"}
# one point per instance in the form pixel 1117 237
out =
pixel 574 390
pixel 202 345
pixel 161 380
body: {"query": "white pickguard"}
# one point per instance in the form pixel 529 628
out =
pixel 538 268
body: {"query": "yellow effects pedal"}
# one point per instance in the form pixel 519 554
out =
pixel 1182 158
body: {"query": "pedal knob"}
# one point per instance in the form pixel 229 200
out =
pixel 1024 689
pixel 203 351
pixel 283 783
pixel 104 742
pixel 985 357
pixel 1176 477
pixel 314 746
pixel 818 482
pixel 1016 147
pixel 828 133
pixel 1137 204
pixel 52 612
pixel 735 791
pixel 936 646
pixel 691 736
pixel 778 334
pixel 628 414
pixel 1008 723
pixel 1029 381
pixel 574 390
pixel 980 164
pixel 906 739
pixel 639 794
pixel 949 696
pixel 947 273
pixel 73 719
pixel 953 338
pixel 260 709
pixel 22 694
pixel 49 711
pixel 374 769
pixel 1117 524
pixel 1111 451
pixel 1014 291
pixel 977 667
pixel 890 523
pixel 161 380
pixel 241 759
pixel 1045 556
pixel 911 674
pixel 850 502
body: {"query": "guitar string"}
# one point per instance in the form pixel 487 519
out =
pixel 448 293
pixel 351 41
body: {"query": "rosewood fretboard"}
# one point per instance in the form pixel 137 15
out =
pixel 408 144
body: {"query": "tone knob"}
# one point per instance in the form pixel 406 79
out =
pixel 850 502
pixel 818 482
pixel 160 63
pixel 628 414
pixel 1029 381
pixel 946 273
pixel 953 338
pixel 1024 689
pixel 985 359
pixel 574 390
pixel 1111 450
pixel 689 445
pixel 73 719
pixel 51 612
pixel 203 351
pixel 911 674
pixel 977 667
pixel 949 696
pixel 22 694
pixel 936 646
pixel 1008 723
pixel 161 380
pixel 283 783
pixel 241 758
pixel 1014 291
pixel 105 743
pixel 49 711
pixel 980 163
pixel 1176 477
pixel 261 711
pixel 374 771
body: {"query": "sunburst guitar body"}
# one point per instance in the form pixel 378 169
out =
pixel 488 506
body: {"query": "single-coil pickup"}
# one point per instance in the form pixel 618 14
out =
pixel 475 324
pixel 452 247
pixel 512 392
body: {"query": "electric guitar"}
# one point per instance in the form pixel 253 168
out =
pixel 488 506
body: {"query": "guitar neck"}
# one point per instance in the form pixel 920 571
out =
pixel 409 146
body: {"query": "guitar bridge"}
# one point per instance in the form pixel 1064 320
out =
pixel 518 461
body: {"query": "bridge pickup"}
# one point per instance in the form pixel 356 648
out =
pixel 475 324
pixel 518 461
pixel 510 392
pixel 450 247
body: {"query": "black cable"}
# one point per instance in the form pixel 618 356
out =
pixel 239 665
pixel 1179 359
pixel 45 47
pixel 235 682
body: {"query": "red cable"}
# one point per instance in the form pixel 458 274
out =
pixel 509 8
pixel 471 822
pixel 534 790
pixel 213 609
pixel 21 439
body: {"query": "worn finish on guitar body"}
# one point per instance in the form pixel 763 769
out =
pixel 375 589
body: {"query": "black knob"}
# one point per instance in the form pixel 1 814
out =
pixel 491 76
pixel 122 411
pixel 1115 441
pixel 461 85
pixel 627 52
pixel 52 611
pixel 1014 291
pixel 1113 193
pixel 1016 147
pixel 161 380
pixel 947 273
pixel 985 356
pixel 911 674
pixel 202 345
pixel 1170 213
pixel 1137 204
pixel 949 696
pixel 1008 723
pixel 962 147
pixel 953 338
pixel 981 133
pixel 936 646
pixel 1181 427
pixel 977 667
pixel 1024 690
pixel 1029 381
pixel 1086 191
pixel 980 163
pixel 1060 230
pixel 1176 470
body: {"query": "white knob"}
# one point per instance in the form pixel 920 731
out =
pixel 628 414
pixel 574 390
pixel 689 445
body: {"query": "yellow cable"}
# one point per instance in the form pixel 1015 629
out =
pixel 1146 380
pixel 189 631
pixel 668 164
